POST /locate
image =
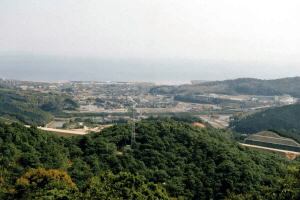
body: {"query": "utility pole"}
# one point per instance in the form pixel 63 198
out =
pixel 132 127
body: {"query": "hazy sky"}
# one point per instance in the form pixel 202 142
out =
pixel 256 31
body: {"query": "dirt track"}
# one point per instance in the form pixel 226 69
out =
pixel 271 149
pixel 73 132
pixel 63 131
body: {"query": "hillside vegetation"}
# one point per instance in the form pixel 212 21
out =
pixel 247 86
pixel 283 119
pixel 169 160
pixel 32 108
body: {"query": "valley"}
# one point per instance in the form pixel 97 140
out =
pixel 100 103
pixel 170 141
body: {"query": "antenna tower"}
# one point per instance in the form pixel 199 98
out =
pixel 132 127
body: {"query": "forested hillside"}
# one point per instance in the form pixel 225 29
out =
pixel 248 86
pixel 168 160
pixel 32 108
pixel 285 118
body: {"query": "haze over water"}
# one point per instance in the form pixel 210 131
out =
pixel 54 68
pixel 169 40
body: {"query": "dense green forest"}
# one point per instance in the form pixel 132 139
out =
pixel 168 160
pixel 249 86
pixel 33 108
pixel 285 118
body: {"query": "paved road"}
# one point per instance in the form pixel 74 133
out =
pixel 220 122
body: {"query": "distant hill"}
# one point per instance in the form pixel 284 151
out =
pixel 285 118
pixel 248 86
pixel 33 108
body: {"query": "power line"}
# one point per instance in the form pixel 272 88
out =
pixel 133 133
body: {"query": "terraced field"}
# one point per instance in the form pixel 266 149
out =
pixel 272 140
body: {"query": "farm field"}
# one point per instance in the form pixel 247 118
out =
pixel 272 140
